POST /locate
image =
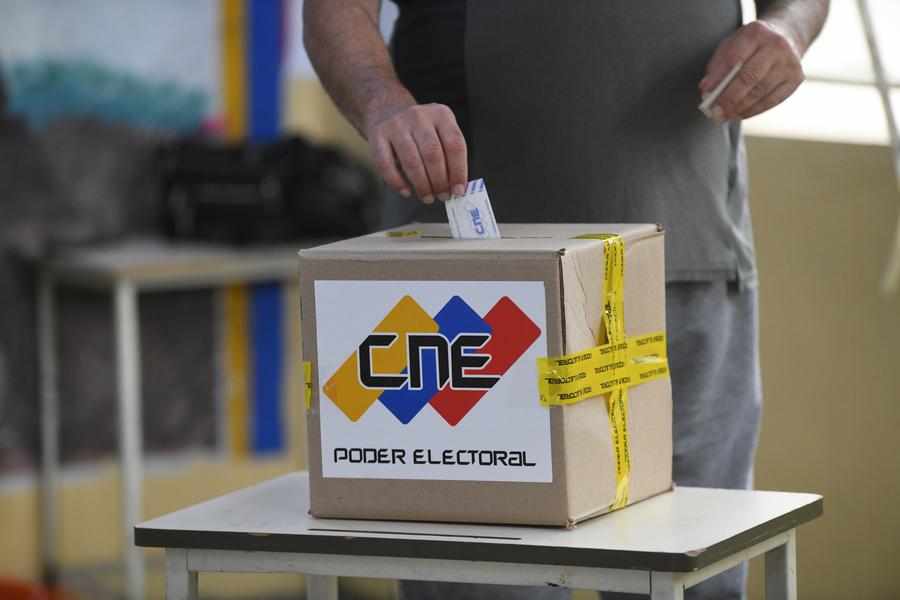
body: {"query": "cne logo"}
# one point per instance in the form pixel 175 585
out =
pixel 450 361
pixel 476 222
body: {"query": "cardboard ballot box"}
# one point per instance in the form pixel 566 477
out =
pixel 515 380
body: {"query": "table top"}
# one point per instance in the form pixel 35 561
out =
pixel 679 531
pixel 158 263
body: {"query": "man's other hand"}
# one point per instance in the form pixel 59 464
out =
pixel 770 73
pixel 420 145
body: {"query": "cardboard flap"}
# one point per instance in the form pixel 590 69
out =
pixel 433 241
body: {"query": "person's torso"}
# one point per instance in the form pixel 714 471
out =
pixel 585 111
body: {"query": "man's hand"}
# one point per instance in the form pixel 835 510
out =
pixel 770 73
pixel 425 142
pixel 770 50
pixel 345 46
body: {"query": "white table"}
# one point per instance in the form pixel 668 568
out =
pixel 125 269
pixel 659 546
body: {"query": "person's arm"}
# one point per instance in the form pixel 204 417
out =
pixel 350 57
pixel 770 49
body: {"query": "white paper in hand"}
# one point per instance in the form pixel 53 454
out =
pixel 708 100
pixel 471 215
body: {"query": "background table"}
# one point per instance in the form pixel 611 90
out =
pixel 659 546
pixel 125 269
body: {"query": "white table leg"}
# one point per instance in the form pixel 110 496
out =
pixel 666 586
pixel 181 584
pixel 49 428
pixel 321 587
pixel 130 445
pixel 781 570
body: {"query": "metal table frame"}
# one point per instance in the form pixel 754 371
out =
pixel 659 547
pixel 125 269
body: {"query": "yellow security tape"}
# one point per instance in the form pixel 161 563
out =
pixel 400 234
pixel 602 369
pixel 618 427
pixel 610 368
pixel 307 382
pixel 617 401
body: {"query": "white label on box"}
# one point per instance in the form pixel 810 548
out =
pixel 432 380
pixel 471 215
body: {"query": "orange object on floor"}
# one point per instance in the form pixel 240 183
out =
pixel 11 589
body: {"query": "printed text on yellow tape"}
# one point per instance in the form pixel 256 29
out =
pixel 601 370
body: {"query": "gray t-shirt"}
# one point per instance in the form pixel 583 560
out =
pixel 586 111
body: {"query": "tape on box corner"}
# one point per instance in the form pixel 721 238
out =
pixel 401 234
pixel 307 382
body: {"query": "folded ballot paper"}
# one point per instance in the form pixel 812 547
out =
pixel 471 215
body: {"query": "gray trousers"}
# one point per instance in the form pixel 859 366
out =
pixel 712 331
